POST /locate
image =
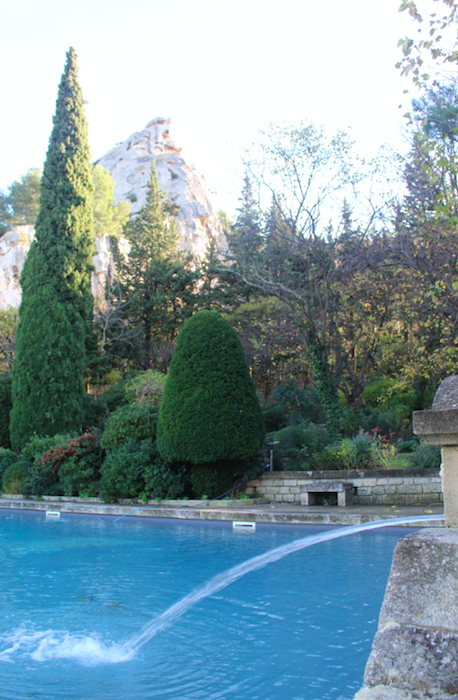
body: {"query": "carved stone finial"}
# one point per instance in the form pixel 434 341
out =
pixel 447 395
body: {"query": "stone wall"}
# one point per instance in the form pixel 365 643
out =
pixel 389 487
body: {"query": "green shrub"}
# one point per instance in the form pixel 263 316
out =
pixel 425 457
pixel 387 392
pixel 348 453
pixel 146 387
pixel 79 472
pixel 129 423
pixel 301 444
pixel 394 400
pixel 7 457
pixel 274 417
pixel 136 470
pixel 210 412
pixel 163 481
pixel 389 419
pixel 14 476
pixel 331 456
pixel 5 408
pixel 408 445
pixel 362 443
pixel 367 450
pixel 124 469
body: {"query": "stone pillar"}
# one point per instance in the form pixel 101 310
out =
pixel 439 426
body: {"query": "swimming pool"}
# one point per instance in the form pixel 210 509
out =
pixel 74 589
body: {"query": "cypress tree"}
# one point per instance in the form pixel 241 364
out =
pixel 55 315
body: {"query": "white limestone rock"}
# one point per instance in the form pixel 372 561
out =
pixel 14 246
pixel 130 164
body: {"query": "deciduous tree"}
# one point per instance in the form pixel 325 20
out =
pixel 21 204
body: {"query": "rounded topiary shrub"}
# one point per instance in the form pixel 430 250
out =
pixel 210 413
pixel 14 476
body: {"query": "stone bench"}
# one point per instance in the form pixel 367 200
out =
pixel 344 492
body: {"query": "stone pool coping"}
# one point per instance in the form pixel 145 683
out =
pixel 279 513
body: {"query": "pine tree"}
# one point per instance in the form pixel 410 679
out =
pixel 221 288
pixel 55 316
pixel 246 230
pixel 157 281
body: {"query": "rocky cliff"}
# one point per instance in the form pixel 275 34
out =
pixel 14 246
pixel 130 164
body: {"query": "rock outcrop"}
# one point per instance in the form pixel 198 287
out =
pixel 130 164
pixel 14 246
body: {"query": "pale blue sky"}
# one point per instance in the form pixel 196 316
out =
pixel 219 68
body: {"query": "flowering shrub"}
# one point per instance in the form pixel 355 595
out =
pixel 376 434
pixel 38 444
pixel 69 468
pixel 383 449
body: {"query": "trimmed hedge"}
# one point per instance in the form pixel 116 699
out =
pixel 209 411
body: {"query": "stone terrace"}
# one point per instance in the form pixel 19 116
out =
pixel 406 487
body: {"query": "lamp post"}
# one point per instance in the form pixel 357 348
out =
pixel 270 466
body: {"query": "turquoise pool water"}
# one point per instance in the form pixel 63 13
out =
pixel 76 589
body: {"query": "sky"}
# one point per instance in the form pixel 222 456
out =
pixel 221 69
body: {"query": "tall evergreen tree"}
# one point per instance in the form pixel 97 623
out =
pixel 157 281
pixel 246 230
pixel 55 315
